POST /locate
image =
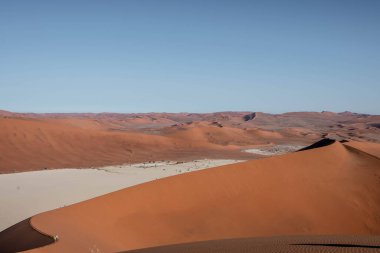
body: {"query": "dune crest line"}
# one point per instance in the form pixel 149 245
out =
pixel 301 193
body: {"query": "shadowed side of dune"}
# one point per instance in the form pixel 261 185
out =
pixel 28 238
pixel 323 244
pixel 319 144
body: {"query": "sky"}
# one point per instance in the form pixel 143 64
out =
pixel 190 56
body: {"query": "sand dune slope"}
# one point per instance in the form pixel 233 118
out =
pixel 27 144
pixel 329 190
pixel 290 244
pixel 31 141
pixel 35 144
pixel 28 237
pixel 368 147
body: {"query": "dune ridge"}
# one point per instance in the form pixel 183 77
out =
pixel 372 149
pixel 35 144
pixel 30 141
pixel 32 237
pixel 302 193
pixel 285 244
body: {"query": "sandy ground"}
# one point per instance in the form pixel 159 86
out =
pixel 328 189
pixel 284 244
pixel 25 194
pixel 31 142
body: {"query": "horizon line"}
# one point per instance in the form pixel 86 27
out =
pixel 186 112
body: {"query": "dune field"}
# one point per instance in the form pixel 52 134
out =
pixel 46 141
pixel 197 126
pixel 222 182
pixel 302 193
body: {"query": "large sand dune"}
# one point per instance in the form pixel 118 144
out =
pixel 38 141
pixel 35 144
pixel 25 194
pixel 286 244
pixel 331 190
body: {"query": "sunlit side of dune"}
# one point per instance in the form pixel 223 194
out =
pixel 35 144
pixel 328 190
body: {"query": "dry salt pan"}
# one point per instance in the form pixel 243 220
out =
pixel 274 150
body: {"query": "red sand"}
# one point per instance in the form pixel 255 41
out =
pixel 39 141
pixel 291 244
pixel 370 148
pixel 329 190
pixel 32 144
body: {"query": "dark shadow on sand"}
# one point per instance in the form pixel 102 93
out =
pixel 21 237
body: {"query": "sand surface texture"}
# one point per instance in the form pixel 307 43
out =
pixel 331 190
pixel 23 195
pixel 290 244
pixel 37 141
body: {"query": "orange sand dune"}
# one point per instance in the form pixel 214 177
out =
pixel 30 141
pixel 290 244
pixel 343 125
pixel 205 132
pixel 30 237
pixel 368 147
pixel 329 190
pixel 36 144
pixel 30 144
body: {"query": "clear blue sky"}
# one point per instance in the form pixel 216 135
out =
pixel 195 56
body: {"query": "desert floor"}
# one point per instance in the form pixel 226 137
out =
pixel 25 194
pixel 114 183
